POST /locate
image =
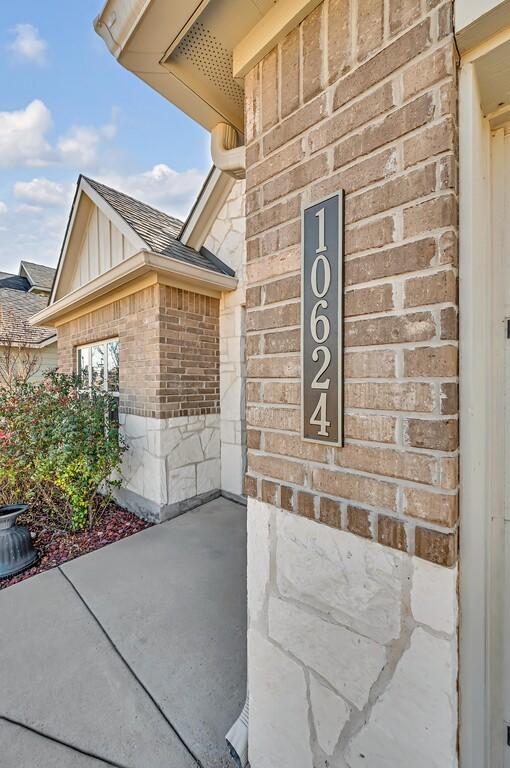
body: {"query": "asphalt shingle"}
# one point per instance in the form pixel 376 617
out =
pixel 17 306
pixel 158 230
pixel 39 275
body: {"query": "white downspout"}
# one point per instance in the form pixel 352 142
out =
pixel 226 155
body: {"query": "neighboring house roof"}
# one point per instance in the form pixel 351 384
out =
pixel 15 282
pixel 158 230
pixel 39 275
pixel 18 305
pixel 112 239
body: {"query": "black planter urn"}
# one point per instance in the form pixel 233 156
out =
pixel 16 549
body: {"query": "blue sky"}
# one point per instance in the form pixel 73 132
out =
pixel 67 107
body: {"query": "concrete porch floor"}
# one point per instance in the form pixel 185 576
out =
pixel 131 656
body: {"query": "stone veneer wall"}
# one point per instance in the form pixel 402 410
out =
pixel 172 464
pixel 352 633
pixel 169 393
pixel 352 650
pixel 227 241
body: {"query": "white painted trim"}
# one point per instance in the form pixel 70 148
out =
pixel 475 32
pixel 33 345
pixel 84 188
pixel 46 342
pixel 116 219
pixel 137 265
pixel 482 457
pixel 281 19
pixel 209 203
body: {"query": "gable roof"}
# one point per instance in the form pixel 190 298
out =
pixel 17 306
pixel 39 275
pixel 158 230
pixel 15 282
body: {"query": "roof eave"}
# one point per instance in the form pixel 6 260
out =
pixel 141 263
pixel 208 204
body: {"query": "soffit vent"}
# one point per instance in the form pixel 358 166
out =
pixel 207 55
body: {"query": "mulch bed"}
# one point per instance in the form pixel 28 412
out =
pixel 58 546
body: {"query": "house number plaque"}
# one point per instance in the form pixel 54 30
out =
pixel 322 320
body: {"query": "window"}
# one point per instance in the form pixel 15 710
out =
pixel 98 367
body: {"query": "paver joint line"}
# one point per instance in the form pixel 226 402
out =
pixel 131 670
pixel 55 740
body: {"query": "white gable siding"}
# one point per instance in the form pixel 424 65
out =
pixel 103 246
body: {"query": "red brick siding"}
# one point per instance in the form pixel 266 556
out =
pixel 169 350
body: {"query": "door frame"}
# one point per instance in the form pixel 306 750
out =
pixel 482 340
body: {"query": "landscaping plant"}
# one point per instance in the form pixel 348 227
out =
pixel 58 447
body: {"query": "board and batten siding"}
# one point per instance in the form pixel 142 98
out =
pixel 103 247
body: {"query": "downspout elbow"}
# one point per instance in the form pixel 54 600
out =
pixel 226 155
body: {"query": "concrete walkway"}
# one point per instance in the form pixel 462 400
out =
pixel 131 656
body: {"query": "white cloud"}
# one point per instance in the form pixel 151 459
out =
pixel 31 233
pixel 42 192
pixel 27 44
pixel 80 147
pixel 3 208
pixel 171 191
pixel 23 136
pixel 36 225
pixel 23 140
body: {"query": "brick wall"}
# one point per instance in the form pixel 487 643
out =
pixel 169 350
pixel 362 96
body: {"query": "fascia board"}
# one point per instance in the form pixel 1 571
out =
pixel 137 265
pixel 114 217
pixel 85 188
pixel 273 26
pixel 206 209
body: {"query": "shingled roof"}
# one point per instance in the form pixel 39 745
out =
pixel 38 274
pixel 18 305
pixel 158 230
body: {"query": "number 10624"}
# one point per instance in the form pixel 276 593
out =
pixel 321 320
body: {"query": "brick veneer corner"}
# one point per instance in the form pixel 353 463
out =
pixel 362 96
pixel 169 350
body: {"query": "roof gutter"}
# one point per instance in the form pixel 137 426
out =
pixel 141 263
pixel 125 17
pixel 22 344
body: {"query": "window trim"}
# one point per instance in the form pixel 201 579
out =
pixel 102 343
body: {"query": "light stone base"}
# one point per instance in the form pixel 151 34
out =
pixel 171 464
pixel 158 513
pixel 352 650
pixel 226 240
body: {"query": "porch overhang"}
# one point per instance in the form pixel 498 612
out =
pixel 140 270
pixel 195 53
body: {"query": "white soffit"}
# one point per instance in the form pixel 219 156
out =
pixel 493 70
pixel 184 50
pixel 477 20
pixel 138 265
pixel 272 27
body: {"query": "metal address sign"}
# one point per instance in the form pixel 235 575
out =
pixel 322 320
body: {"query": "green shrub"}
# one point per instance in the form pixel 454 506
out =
pixel 58 446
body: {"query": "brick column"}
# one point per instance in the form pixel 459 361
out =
pixel 322 116
pixel 362 96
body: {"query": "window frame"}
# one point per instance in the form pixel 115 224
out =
pixel 103 343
